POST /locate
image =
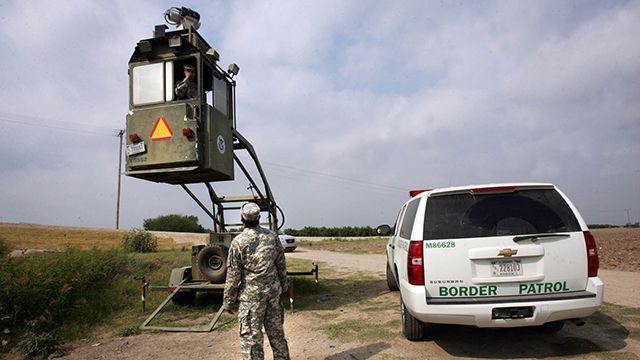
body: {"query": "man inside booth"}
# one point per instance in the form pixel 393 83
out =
pixel 187 88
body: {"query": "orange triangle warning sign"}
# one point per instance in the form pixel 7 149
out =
pixel 161 130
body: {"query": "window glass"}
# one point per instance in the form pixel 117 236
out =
pixel 168 81
pixel 396 226
pixel 518 213
pixel 148 84
pixel 220 95
pixel 209 95
pixel 409 219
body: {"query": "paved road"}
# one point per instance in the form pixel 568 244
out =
pixel 621 287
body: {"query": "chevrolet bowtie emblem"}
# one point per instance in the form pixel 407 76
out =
pixel 507 252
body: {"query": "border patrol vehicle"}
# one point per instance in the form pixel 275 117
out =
pixel 499 255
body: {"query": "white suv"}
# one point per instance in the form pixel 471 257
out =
pixel 499 255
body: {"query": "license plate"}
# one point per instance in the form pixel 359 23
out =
pixel 501 268
pixel 137 148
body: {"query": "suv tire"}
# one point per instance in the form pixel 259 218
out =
pixel 412 328
pixel 392 284
pixel 551 327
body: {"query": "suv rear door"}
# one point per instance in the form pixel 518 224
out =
pixel 520 242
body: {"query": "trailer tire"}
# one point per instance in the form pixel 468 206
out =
pixel 184 298
pixel 212 263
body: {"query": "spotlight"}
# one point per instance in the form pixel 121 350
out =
pixel 233 69
pixel 182 16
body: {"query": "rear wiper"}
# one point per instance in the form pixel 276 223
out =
pixel 539 236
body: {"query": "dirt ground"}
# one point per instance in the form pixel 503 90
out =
pixel 619 248
pixel 368 327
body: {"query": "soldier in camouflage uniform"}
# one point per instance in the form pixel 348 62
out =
pixel 187 88
pixel 256 277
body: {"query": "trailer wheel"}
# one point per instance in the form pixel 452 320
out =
pixel 212 262
pixel 184 298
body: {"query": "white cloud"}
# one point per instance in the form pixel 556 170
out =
pixel 413 94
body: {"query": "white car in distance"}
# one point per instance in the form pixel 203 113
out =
pixel 289 243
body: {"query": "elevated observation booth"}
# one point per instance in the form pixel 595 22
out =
pixel 181 124
pixel 181 130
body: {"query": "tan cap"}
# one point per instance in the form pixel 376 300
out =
pixel 250 211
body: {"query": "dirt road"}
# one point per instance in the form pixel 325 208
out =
pixel 373 264
pixel 327 332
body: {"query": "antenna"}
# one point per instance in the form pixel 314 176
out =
pixel 182 16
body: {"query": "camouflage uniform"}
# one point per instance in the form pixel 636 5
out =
pixel 186 89
pixel 256 276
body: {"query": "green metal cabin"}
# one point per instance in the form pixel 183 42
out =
pixel 179 141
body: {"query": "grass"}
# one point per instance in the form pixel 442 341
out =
pixel 623 314
pixel 76 294
pixel 616 355
pixel 629 317
pixel 361 246
pixel 22 236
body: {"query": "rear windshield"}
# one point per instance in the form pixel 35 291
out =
pixel 517 213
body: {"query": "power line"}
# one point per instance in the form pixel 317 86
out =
pixel 300 172
pixel 55 124
pixel 390 187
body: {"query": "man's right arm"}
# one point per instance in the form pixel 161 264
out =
pixel 180 90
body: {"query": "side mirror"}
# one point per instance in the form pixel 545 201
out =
pixel 383 230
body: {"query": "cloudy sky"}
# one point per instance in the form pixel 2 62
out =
pixel 349 104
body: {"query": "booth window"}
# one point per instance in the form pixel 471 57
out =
pixel 220 95
pixel 152 83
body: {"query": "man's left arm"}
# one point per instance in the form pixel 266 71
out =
pixel 234 273
pixel 281 265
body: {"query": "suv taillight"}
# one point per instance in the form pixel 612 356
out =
pixel 592 254
pixel 415 268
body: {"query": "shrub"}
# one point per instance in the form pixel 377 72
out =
pixel 37 345
pixel 46 291
pixel 174 222
pixel 601 226
pixel 139 241
pixel 4 247
pixel 129 331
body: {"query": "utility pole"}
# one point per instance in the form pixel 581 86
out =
pixel 628 216
pixel 120 134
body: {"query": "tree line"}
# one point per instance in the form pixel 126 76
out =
pixel 333 231
pixel 190 223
